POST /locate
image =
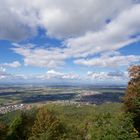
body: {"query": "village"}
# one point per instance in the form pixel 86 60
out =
pixel 10 108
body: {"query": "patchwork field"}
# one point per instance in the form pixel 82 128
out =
pixel 67 95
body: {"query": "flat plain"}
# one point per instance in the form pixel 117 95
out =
pixel 29 94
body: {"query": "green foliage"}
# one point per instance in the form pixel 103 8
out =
pixel 20 127
pixel 104 122
pixel 109 127
pixel 10 116
pixel 59 122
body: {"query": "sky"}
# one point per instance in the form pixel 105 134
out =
pixel 69 41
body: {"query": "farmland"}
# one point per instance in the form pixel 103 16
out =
pixel 27 94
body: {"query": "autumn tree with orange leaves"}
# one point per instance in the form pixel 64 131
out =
pixel 132 96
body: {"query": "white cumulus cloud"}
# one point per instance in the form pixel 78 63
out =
pixel 60 18
pixel 40 57
pixel 121 31
pixel 110 61
pixel 52 74
pixel 14 64
pixel 105 76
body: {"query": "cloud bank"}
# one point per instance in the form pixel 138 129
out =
pixel 59 18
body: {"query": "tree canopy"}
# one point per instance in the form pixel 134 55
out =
pixel 132 96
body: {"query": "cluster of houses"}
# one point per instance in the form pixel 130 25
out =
pixel 9 108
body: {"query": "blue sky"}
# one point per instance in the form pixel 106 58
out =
pixel 74 41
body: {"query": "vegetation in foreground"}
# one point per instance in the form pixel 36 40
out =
pixel 58 122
